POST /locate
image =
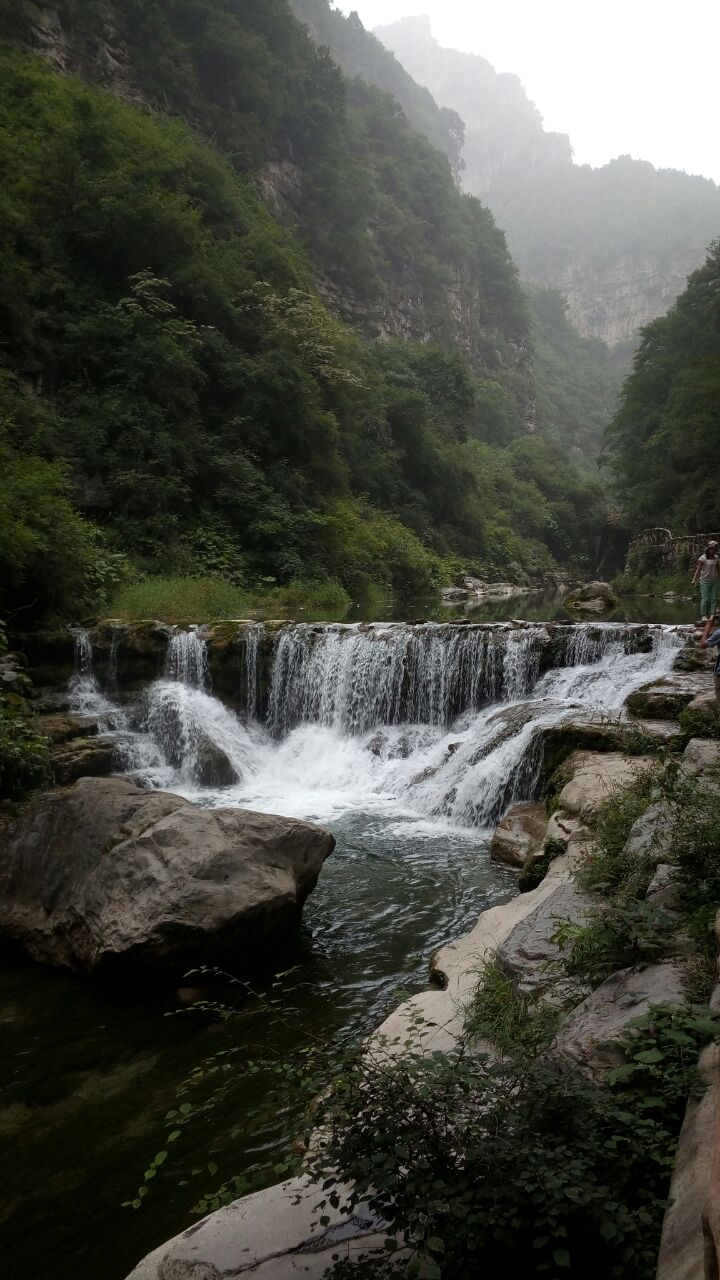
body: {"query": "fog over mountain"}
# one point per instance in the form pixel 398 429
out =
pixel 618 241
pixel 628 78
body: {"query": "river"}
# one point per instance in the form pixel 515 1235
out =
pixel 408 743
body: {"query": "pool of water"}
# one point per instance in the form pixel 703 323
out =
pixel 88 1075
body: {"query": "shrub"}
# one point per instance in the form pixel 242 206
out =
pixel 615 937
pixel 512 1021
pixel 24 755
pixel 519 1168
pixel 180 600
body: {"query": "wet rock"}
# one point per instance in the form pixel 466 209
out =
pixel 665 699
pixel 104 874
pixel 82 758
pixel 594 777
pixel 519 833
pixel 588 1033
pixel 213 768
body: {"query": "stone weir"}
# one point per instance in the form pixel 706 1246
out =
pixel 354 675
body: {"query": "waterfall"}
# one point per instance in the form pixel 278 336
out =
pixel 253 643
pixel 187 659
pixel 427 727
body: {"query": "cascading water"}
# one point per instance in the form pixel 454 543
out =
pixel 433 726
pixel 187 660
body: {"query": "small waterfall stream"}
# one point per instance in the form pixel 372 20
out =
pixel 428 727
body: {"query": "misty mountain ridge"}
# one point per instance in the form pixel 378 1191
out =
pixel 617 241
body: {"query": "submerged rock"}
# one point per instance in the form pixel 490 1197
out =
pixel 593 597
pixel 104 874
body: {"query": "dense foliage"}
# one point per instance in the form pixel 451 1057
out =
pixel 171 368
pixel 360 53
pixel 577 379
pixel 664 437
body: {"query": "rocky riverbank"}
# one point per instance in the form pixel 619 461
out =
pixel 275 1233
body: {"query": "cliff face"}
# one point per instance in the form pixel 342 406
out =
pixel 398 251
pixel 613 302
pixel 618 242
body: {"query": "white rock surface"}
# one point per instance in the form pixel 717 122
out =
pixel 272 1235
pixel 594 776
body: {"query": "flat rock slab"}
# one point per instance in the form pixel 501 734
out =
pixel 587 1035
pixel 594 777
pixel 528 953
pixel 271 1235
pixel 103 874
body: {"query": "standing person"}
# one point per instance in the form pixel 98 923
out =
pixel 707 571
pixel 711 640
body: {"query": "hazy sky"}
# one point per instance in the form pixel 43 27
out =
pixel 620 76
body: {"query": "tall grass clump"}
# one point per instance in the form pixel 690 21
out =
pixel 180 600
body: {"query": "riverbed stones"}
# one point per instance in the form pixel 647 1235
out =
pixel 593 777
pixel 103 875
pixel 588 1034
pixel 518 834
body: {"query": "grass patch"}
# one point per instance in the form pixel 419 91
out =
pixel 182 601
pixel 610 870
pixel 499 1013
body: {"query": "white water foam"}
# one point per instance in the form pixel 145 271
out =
pixel 335 742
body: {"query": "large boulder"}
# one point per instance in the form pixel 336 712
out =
pixel 529 955
pixel 593 597
pixel 104 874
pixel 690 1243
pixel 594 777
pixel 518 834
pixel 665 699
